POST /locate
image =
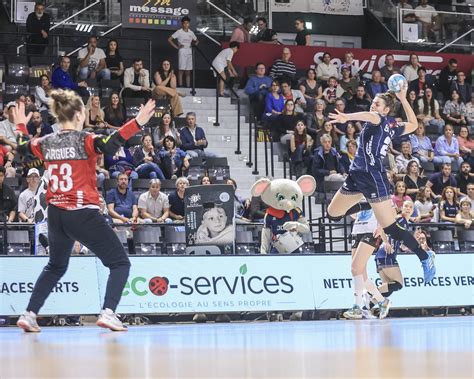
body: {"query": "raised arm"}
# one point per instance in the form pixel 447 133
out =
pixel 412 122
pixel 342 118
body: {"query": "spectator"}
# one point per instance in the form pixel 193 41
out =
pixel 257 88
pixel 165 81
pixel 421 144
pixel 222 61
pixel 448 207
pixel 146 160
pixel 389 69
pixel 347 157
pixel 326 165
pixel 311 90
pixel 426 16
pixel 136 81
pixel 174 161
pixel 185 37
pixel 340 108
pixel 410 70
pixel 351 64
pixel 255 209
pixel 37 127
pixel 113 60
pixel 447 148
pixel 285 123
pixel 405 157
pixel 350 134
pixel 114 112
pixel 42 95
pixel 239 202
pixel 265 35
pixel 101 172
pixel 455 110
pixel 422 83
pixel 447 76
pixel 466 145
pixel 428 110
pixel 470 194
pixel 121 162
pixel 440 180
pixel 463 88
pixel 400 195
pixel 348 84
pixel 176 200
pixel 283 69
pixel 464 178
pixel 8 200
pixel 465 215
pixel 303 36
pixel 376 85
pixel 331 92
pixel 326 69
pixel 318 118
pixel 413 101
pixel 8 129
pixel 293 94
pixel 241 33
pixel 274 103
pixel 206 181
pixel 37 27
pixel 6 160
pixel 359 102
pixel 301 146
pixel 26 200
pixel 470 112
pixel 166 128
pixel 92 61
pixel 122 202
pixel 328 128
pixel 413 179
pixel 423 205
pixel 153 205
pixel 193 139
pixel 62 79
pixel 95 116
pixel 30 104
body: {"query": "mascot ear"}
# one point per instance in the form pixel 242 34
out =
pixel 260 186
pixel 307 184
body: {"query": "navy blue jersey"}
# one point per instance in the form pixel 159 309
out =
pixel 274 219
pixel 373 144
pixel 381 253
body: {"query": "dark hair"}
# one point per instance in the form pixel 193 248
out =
pixel 107 50
pixel 455 195
pixel 169 138
pixel 443 165
pixel 234 182
pixel 300 139
pixel 431 105
pixel 325 53
pixel 44 76
pixel 453 61
pixel 446 125
pixel 285 81
pixel 248 20
pixel 310 69
pixel 162 123
pixel 258 64
pixel 162 72
pixel 93 36
pixel 234 44
pixel 468 138
pixel 146 135
pixel 135 60
pixel 286 103
pixel 115 113
pixel 389 55
pixel 421 68
pixel 396 185
pixel 185 18
pixel 3 170
pixel 411 163
pixel 299 19
pixel 263 19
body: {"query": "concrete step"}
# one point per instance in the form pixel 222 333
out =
pixel 205 100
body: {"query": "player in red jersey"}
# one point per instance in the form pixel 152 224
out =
pixel 73 213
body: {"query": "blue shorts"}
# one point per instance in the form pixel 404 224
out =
pixel 373 185
pixel 389 261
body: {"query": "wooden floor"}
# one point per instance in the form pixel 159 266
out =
pixel 392 348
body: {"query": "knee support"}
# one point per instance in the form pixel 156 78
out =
pixel 394 286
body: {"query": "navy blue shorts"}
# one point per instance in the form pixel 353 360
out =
pixel 373 185
pixel 389 261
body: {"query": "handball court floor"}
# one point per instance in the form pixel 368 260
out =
pixel 391 348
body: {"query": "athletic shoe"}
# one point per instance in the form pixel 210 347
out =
pixel 429 269
pixel 366 299
pixel 367 314
pixel 355 313
pixel 109 320
pixel 27 322
pixel 384 308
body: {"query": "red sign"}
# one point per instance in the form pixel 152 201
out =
pixel 305 57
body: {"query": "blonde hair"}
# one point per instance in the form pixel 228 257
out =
pixel 100 114
pixel 64 104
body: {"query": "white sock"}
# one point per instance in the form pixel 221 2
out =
pixel 373 290
pixel 358 289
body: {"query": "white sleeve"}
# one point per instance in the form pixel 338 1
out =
pixel 41 95
pixel 21 203
pixel 194 35
pixel 176 34
pixel 100 54
pixel 142 202
pixel 229 55
pixel 81 54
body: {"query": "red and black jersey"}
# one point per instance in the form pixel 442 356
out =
pixel 70 157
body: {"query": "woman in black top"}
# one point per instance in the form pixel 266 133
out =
pixel 114 112
pixel 303 37
pixel 414 180
pixel 113 59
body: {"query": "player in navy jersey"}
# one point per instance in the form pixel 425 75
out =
pixel 367 177
pixel 70 156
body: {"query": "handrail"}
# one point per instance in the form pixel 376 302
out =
pixel 457 39
pixel 63 21
pixel 203 32
pixel 223 12
pixel 219 76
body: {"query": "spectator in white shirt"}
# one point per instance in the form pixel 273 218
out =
pixel 326 69
pixel 26 200
pixel 222 61
pixel 426 15
pixel 153 204
pixel 410 70
pixel 92 62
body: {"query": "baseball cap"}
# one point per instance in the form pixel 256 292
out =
pixel 33 171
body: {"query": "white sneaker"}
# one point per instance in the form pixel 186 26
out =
pixel 109 320
pixel 384 308
pixel 27 322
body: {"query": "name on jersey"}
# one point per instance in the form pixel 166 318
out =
pixel 63 153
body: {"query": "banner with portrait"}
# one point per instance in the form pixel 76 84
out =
pixel 156 14
pixel 209 219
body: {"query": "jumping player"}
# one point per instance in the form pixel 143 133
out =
pixel 73 213
pixel 367 177
pixel 365 239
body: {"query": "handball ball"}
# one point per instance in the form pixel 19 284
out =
pixel 396 82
